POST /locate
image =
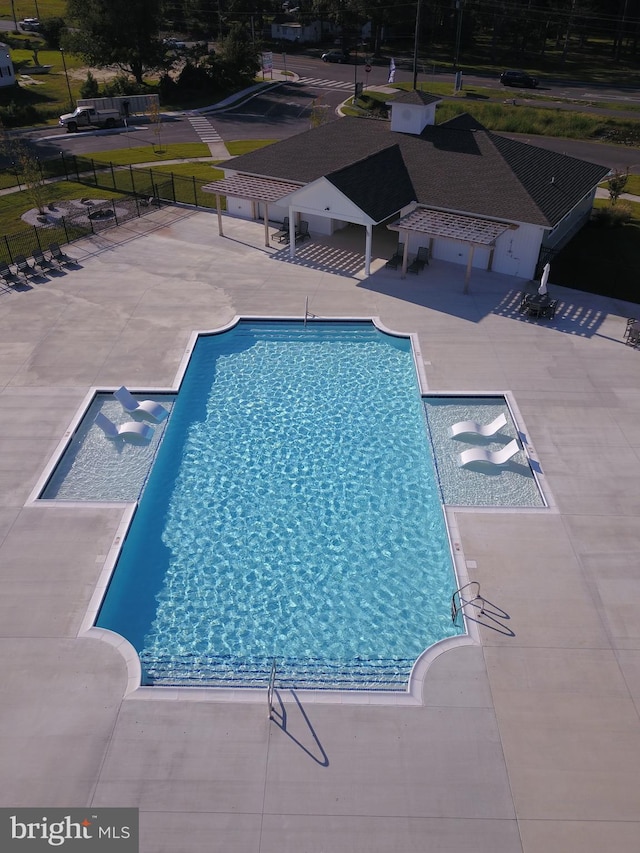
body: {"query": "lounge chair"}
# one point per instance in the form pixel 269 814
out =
pixel 42 262
pixel 58 255
pixel 474 428
pixel 495 457
pixel 282 236
pixel 129 430
pixel 23 265
pixel 420 261
pixel 8 275
pixel 393 262
pixel 302 233
pixel 146 408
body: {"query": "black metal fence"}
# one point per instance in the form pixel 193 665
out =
pixel 142 188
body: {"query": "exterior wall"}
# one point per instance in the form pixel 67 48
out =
pixel 517 251
pixel 411 118
pixel 7 74
pixel 573 222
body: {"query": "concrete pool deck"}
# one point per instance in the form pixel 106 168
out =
pixel 529 741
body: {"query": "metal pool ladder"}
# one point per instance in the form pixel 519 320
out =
pixel 272 682
pixel 459 602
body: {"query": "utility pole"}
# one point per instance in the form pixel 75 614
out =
pixel 456 58
pixel 13 9
pixel 415 46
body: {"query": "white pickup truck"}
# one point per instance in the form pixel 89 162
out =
pixel 89 117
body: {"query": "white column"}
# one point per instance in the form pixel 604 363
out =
pixel 367 250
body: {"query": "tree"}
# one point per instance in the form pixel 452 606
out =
pixel 616 184
pixel 117 32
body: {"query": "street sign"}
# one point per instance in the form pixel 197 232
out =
pixel 367 68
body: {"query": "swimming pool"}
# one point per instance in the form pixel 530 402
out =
pixel 292 512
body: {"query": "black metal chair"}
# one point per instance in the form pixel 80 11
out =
pixel 393 262
pixel 420 261
pixel 302 233
pixel 282 236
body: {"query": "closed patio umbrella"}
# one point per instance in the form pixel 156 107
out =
pixel 545 278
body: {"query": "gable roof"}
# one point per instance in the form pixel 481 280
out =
pixel 380 184
pixel 457 166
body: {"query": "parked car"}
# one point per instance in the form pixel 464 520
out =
pixel 29 24
pixel 518 78
pixel 335 56
pixel 174 44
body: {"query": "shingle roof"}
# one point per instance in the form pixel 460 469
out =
pixel 380 184
pixel 457 166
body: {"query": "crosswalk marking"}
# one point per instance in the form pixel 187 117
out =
pixel 204 129
pixel 325 84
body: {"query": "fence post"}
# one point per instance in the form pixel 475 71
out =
pixel 64 165
pixel 66 233
pixel 35 229
pixel 8 249
pixel 115 215
pixel 135 198
pixel 173 188
pixel 113 176
pixel 133 182
pixel 95 174
pixel 195 192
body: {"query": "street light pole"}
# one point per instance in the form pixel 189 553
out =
pixel 459 6
pixel 66 74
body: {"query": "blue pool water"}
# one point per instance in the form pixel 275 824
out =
pixel 292 511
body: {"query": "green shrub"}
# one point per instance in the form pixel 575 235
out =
pixel 613 214
pixel 90 88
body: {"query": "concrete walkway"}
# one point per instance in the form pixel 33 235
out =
pixel 526 742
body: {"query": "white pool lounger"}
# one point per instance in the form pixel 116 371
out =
pixel 474 428
pixel 130 430
pixel 495 457
pixel 147 408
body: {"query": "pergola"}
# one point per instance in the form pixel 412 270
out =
pixel 454 226
pixel 255 189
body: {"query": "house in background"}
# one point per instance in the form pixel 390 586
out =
pixel 7 73
pixel 473 197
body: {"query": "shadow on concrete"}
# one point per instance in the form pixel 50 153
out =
pixel 280 717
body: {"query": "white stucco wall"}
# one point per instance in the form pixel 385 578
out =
pixel 7 73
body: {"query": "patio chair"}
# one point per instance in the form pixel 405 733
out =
pixel 58 255
pixel 494 457
pixel 130 430
pixel 8 275
pixel 393 262
pixel 474 428
pixel 633 338
pixel 525 298
pixel 282 236
pixel 145 408
pixel 42 262
pixel 302 233
pixel 420 261
pixel 23 266
pixel 549 311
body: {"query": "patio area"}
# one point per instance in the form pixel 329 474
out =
pixel 526 742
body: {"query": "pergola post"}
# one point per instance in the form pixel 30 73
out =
pixel 405 254
pixel 219 215
pixel 467 274
pixel 367 249
pixel 266 224
pixel 292 233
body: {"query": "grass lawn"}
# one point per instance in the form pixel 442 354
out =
pixel 15 204
pixel 148 154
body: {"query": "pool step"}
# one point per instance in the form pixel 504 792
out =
pixel 227 671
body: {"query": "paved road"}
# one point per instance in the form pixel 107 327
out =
pixel 285 111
